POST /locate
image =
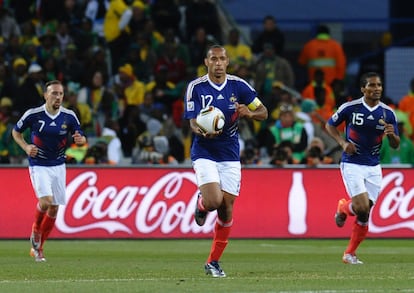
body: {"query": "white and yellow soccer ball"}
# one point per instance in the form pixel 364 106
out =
pixel 210 119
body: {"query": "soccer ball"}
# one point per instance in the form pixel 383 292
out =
pixel 210 119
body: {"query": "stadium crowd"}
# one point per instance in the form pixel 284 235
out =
pixel 125 65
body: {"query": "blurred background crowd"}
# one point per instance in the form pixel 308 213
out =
pixel 125 65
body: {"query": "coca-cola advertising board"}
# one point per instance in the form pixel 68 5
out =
pixel 159 203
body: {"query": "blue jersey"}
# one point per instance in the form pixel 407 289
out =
pixel 201 93
pixel 364 129
pixel 49 133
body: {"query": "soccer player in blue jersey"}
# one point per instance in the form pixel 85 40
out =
pixel 216 156
pixel 367 120
pixel 51 125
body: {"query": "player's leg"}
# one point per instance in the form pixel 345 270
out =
pixel 361 207
pixel 41 183
pixel 222 230
pixel 210 196
pixel 230 176
pixel 58 186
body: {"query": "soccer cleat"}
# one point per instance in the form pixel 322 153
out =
pixel 340 216
pixel 213 268
pixel 37 254
pixel 351 259
pixel 35 239
pixel 199 216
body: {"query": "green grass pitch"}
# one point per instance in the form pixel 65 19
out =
pixel 264 265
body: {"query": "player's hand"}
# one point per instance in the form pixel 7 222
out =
pixel 208 134
pixel 31 150
pixel 243 110
pixel 78 138
pixel 388 128
pixel 348 147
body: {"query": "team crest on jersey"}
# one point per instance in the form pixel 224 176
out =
pixel 64 126
pixel 233 98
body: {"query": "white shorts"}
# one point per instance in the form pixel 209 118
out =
pixel 360 178
pixel 49 181
pixel 227 174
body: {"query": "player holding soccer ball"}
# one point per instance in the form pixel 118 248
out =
pixel 367 121
pixel 215 156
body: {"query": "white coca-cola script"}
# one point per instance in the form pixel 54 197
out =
pixel 397 202
pixel 109 208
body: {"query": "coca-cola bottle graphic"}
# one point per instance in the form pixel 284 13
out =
pixel 297 205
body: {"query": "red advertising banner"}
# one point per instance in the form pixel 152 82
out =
pixel 159 203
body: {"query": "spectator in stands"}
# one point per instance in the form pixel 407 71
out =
pixel 85 39
pixel 147 54
pixel 340 92
pixel 8 24
pixel 163 90
pixel 6 105
pixel 51 69
pixel 48 47
pixel 282 154
pixel 406 104
pixel 139 18
pixel 321 92
pixel 323 52
pixel 63 37
pixel 70 66
pixel 202 14
pixel 114 146
pixel 171 37
pixel 238 52
pixel 250 154
pixel 166 15
pixel 287 127
pixel 82 110
pixel 269 34
pixel 402 155
pixel 131 126
pixel 101 100
pixel 315 154
pixel 116 30
pixel 95 11
pixel 129 90
pixel 30 93
pixel 9 80
pixel 176 67
pixel 198 45
pixel 95 61
pixel 270 68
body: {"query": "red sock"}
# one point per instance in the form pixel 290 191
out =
pixel 347 208
pixel 46 227
pixel 220 239
pixel 39 215
pixel 359 232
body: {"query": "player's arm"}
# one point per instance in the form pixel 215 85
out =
pixel 335 134
pixel 255 110
pixel 78 138
pixel 30 149
pixel 389 131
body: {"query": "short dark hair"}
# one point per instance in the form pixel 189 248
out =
pixel 52 82
pixel 364 78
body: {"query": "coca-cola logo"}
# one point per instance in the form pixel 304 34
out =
pixel 395 208
pixel 132 209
